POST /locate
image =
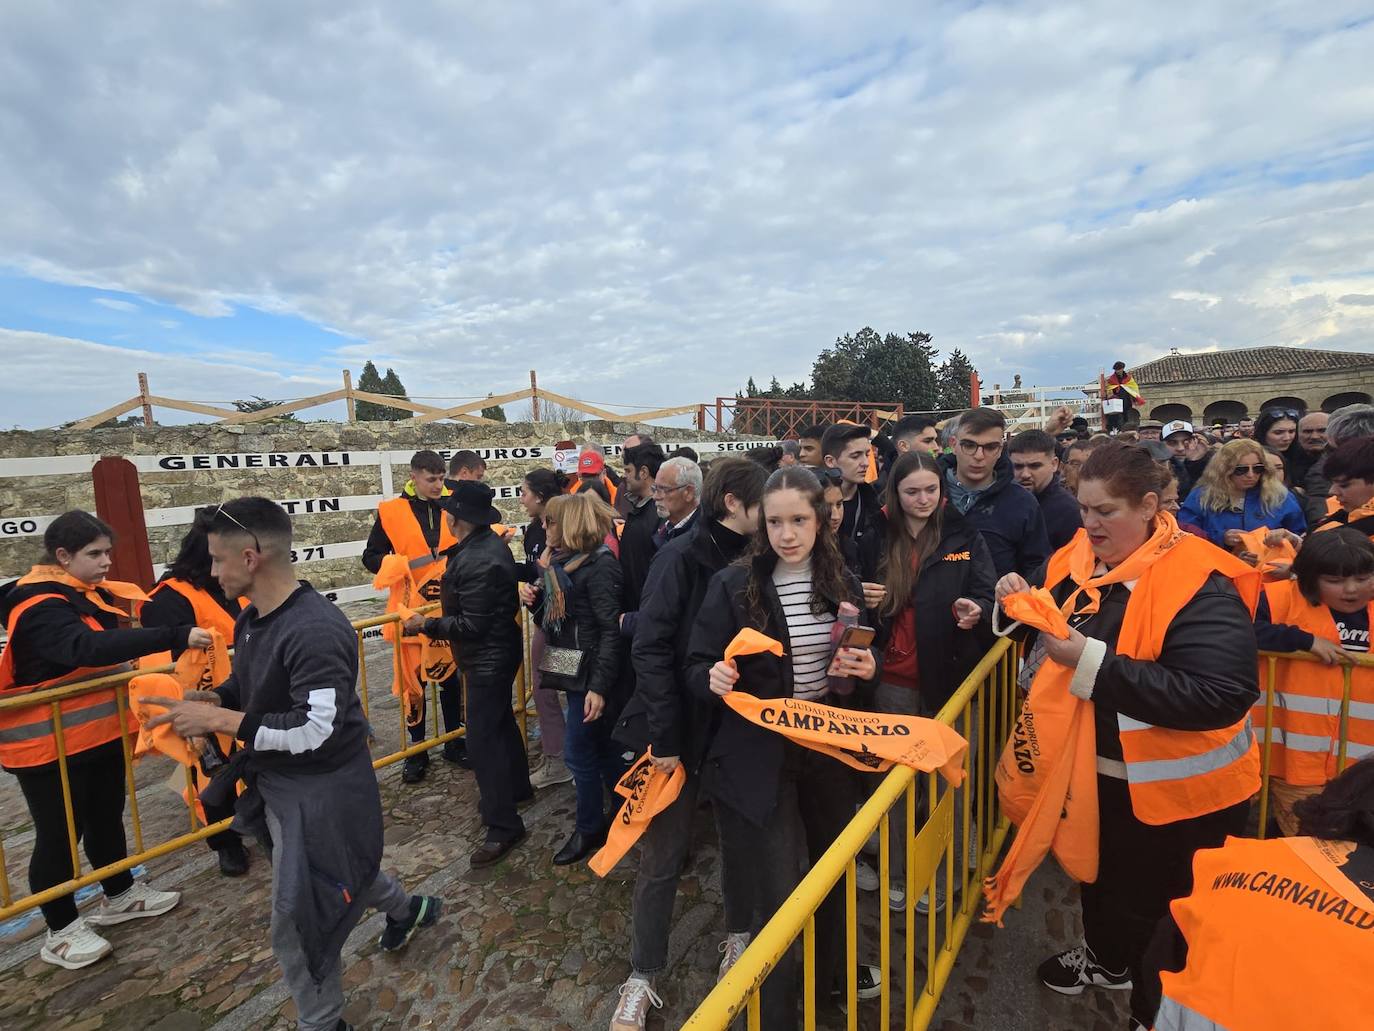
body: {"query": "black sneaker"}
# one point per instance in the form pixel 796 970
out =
pixel 456 752
pixel 414 768
pixel 424 910
pixel 233 860
pixel 1070 972
pixel 869 981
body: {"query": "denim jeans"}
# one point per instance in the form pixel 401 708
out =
pixel 593 761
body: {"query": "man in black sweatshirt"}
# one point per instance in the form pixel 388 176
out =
pixel 312 797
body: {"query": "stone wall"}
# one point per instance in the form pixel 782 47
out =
pixel 35 494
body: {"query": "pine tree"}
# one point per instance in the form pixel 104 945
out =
pixel 953 379
pixel 375 383
pixel 493 412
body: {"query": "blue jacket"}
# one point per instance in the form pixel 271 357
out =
pixel 1287 516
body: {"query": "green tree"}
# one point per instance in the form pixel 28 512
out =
pixel 261 404
pixel 375 383
pixel 869 367
pixel 493 412
pixel 953 376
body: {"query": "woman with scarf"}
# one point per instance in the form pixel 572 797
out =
pixel 578 604
pixel 63 619
pixel 1161 643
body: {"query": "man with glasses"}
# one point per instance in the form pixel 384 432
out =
pixel 981 486
pixel 676 493
pixel 311 795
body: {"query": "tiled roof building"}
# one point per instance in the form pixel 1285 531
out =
pixel 1228 385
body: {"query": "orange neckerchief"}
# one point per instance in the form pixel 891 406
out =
pixel 1082 563
pixel 647 791
pixel 198 669
pixel 1037 609
pixel 421 658
pixel 869 741
pixel 58 575
pixel 1267 554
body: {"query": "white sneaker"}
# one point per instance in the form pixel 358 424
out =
pixel 865 877
pixel 74 947
pixel 636 996
pixel 896 899
pixel 139 901
pixel 732 948
pixel 550 771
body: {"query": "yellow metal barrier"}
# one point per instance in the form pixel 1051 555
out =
pixel 983 710
pixel 1269 661
pixel 11 906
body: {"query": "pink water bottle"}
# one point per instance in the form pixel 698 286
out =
pixel 846 617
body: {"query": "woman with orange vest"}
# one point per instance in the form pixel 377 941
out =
pixel 1325 610
pixel 1162 644
pixel 63 622
pixel 1276 934
pixel 188 595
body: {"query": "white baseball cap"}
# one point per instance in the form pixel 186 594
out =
pixel 1177 426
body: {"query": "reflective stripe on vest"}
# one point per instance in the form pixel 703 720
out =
pixel 28 736
pixel 1152 771
pixel 1178 774
pixel 1174 1016
pixel 1304 747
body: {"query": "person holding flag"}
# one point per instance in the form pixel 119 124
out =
pixel 1122 388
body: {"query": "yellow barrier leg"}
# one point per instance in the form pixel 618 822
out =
pixel 5 898
pixel 121 703
pixel 362 675
pixel 851 943
pixel 808 974
pixel 884 919
pixel 66 785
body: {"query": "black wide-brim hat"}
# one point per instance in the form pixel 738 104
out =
pixel 469 501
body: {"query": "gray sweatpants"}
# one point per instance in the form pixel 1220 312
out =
pixel 319 1006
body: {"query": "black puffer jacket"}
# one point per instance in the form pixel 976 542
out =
pixel 744 761
pixel 53 640
pixel 592 623
pixel 662 713
pixel 1009 518
pixel 961 567
pixel 479 604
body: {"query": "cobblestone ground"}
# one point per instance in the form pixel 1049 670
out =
pixel 524 945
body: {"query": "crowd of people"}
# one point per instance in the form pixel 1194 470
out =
pixel 636 580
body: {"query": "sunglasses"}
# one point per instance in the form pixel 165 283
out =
pixel 1246 470
pixel 218 512
pixel 1282 413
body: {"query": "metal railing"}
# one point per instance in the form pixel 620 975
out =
pixel 365 629
pixel 983 710
pixel 1269 662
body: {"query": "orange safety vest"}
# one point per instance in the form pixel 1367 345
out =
pixel 1360 519
pixel 1280 936
pixel 1307 699
pixel 209 614
pixel 27 735
pixel 1178 774
pixel 610 487
pixel 408 539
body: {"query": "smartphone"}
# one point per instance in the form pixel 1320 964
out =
pixel 857 637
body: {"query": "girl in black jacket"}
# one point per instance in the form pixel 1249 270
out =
pixel 579 606
pixel 936 612
pixel 73 632
pixel 772 795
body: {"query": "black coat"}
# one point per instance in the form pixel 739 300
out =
pixel 535 539
pixel 637 550
pixel 592 623
pixel 961 567
pixel 53 640
pixel 1008 517
pixel 744 761
pixel 1059 508
pixel 479 603
pixel 866 530
pixel 662 713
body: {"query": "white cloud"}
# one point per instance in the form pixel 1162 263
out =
pixel 115 304
pixel 651 201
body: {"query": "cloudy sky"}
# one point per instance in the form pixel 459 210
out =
pixel 648 202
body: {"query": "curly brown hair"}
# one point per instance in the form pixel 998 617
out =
pixel 830 579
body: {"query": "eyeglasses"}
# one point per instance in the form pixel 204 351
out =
pixel 1246 470
pixel 658 491
pixel 1282 413
pixel 257 545
pixel 972 447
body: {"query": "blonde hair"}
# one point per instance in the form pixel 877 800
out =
pixel 1214 489
pixel 583 520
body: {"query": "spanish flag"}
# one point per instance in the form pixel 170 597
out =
pixel 1129 385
